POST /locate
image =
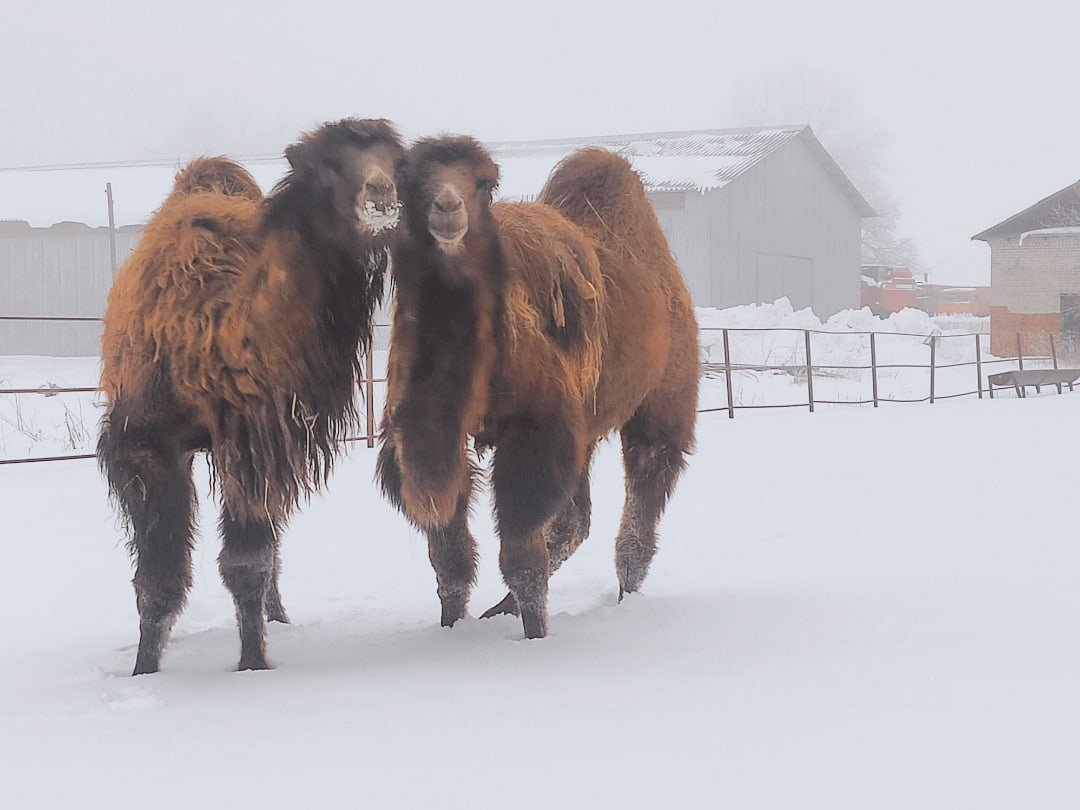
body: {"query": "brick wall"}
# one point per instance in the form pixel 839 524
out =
pixel 1027 282
pixel 1035 329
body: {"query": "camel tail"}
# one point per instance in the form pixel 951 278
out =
pixel 599 191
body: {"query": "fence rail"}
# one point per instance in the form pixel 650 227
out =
pixel 804 370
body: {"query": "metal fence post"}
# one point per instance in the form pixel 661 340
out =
pixel 933 365
pixel 727 376
pixel 369 395
pixel 809 372
pixel 873 365
pixel 978 363
pixel 1053 355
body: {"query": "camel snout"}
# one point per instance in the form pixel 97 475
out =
pixel 448 219
pixel 378 204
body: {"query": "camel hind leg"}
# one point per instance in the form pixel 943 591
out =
pixel 150 478
pixel 275 610
pixel 655 443
pixel 248 562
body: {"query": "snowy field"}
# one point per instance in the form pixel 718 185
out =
pixel 856 608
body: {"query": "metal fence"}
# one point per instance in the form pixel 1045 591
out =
pixel 807 369
pixel 803 369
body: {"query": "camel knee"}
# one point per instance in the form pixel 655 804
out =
pixel 537 464
pixel 248 559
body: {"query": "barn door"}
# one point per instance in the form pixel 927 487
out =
pixel 791 276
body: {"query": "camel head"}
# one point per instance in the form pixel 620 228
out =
pixel 351 163
pixel 447 184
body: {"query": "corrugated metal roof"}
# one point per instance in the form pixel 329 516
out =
pixel 697 160
pixel 701 160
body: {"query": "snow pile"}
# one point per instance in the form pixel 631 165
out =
pixel 762 335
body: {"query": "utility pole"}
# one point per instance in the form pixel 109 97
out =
pixel 112 228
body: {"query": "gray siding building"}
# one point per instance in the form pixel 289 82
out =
pixel 751 214
pixel 61 271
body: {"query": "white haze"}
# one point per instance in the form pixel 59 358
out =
pixel 976 101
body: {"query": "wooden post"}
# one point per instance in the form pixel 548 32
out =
pixel 978 364
pixel 809 373
pixel 933 365
pixel 1053 355
pixel 112 228
pixel 369 395
pixel 873 365
pixel 727 376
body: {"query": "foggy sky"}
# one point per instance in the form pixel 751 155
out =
pixel 975 107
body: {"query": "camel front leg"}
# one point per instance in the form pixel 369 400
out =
pixel 537 462
pixel 452 551
pixel 563 534
pixel 451 547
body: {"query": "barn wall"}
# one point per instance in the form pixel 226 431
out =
pixel 683 217
pixel 784 228
pixel 57 274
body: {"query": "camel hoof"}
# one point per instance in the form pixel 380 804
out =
pixel 254 665
pixel 535 625
pixel 277 615
pixel 507 606
pixel 453 608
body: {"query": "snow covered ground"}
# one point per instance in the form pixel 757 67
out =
pixel 856 608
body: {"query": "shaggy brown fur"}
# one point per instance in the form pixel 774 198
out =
pixel 537 329
pixel 234 327
pixel 215 174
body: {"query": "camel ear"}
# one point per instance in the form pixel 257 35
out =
pixel 298 156
pixel 487 188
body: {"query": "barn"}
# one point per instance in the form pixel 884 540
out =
pixel 751 215
pixel 1035 276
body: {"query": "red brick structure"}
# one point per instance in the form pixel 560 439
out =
pixel 1035 277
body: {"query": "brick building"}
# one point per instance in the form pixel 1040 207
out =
pixel 1035 276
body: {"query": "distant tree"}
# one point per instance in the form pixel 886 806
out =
pixel 854 141
pixel 1065 212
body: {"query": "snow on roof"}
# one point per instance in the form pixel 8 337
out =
pixel 673 161
pixel 1064 230
pixel 701 160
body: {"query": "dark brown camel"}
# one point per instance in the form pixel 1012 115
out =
pixel 234 328
pixel 537 329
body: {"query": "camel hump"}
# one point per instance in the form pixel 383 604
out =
pixel 217 174
pixel 555 291
pixel 596 189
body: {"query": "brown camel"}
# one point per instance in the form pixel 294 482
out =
pixel 234 328
pixel 537 329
